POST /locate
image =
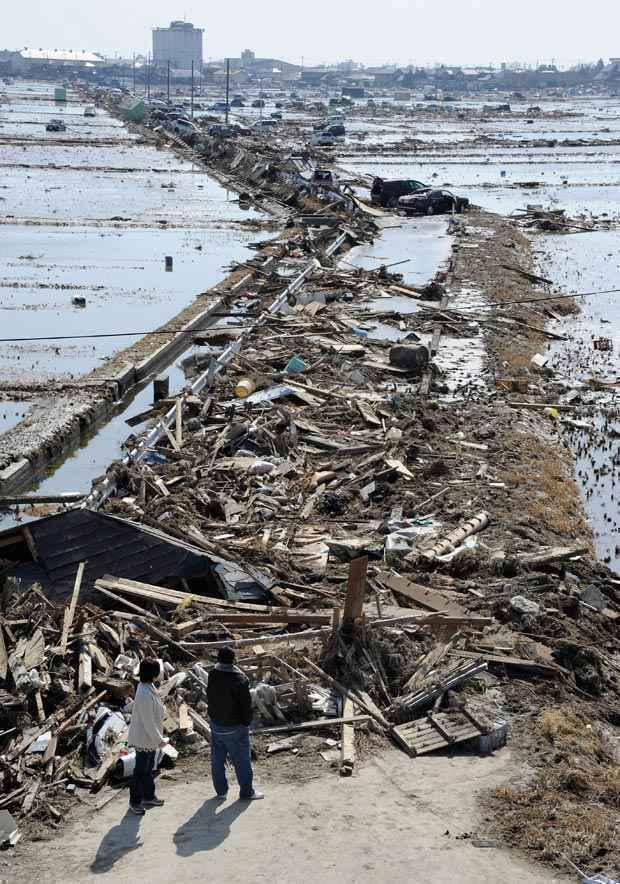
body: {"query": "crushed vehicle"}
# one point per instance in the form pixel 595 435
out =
pixel 433 202
pixel 89 111
pixel 388 192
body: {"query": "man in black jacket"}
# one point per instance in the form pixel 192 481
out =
pixel 230 714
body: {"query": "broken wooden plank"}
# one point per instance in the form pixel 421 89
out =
pixel 504 660
pixel 356 590
pixel 347 740
pixel 31 794
pixel 70 611
pixel 158 633
pixel 185 721
pixel 286 618
pixel 309 725
pixel 200 725
pixel 173 596
pixel 552 555
pixel 307 635
pixel 426 596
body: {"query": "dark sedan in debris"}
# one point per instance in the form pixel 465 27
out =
pixel 387 193
pixel 433 202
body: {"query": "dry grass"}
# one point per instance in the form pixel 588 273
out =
pixel 546 491
pixel 571 807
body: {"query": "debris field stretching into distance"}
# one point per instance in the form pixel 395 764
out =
pixel 361 478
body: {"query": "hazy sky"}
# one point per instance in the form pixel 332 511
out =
pixel 371 31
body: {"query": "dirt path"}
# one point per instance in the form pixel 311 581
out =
pixel 396 820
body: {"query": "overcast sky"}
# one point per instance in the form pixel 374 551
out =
pixel 370 31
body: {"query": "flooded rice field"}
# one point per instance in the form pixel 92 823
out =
pixel 95 221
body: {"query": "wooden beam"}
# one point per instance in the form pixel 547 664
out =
pixel 70 611
pixel 356 590
pixel 173 596
pixel 286 618
pixel 427 597
pixel 132 607
pixel 200 725
pixel 308 725
pixel 347 740
pixel 184 718
pixel 166 639
pixel 257 640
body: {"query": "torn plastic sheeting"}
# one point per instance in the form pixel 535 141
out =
pixel 405 534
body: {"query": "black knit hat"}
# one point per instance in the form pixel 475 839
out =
pixel 226 655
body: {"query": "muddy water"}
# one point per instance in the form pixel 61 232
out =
pixel 96 221
pixel 11 412
pixel 580 263
pixel 422 243
pixel 120 273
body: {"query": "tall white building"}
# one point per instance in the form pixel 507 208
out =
pixel 180 44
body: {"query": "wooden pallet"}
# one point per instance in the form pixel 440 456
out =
pixel 436 731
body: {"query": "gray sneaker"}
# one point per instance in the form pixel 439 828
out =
pixel 137 809
pixel 153 802
pixel 255 796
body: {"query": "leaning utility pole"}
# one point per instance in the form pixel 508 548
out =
pixel 227 87
pixel 168 81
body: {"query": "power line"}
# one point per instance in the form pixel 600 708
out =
pixel 501 304
pixel 181 331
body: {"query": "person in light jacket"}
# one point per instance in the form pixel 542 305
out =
pixel 146 736
pixel 230 714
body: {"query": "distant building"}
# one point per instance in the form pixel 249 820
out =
pixel 247 57
pixel 71 58
pixel 180 44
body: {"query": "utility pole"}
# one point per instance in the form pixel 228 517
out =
pixel 134 73
pixel 148 76
pixel 192 93
pixel 168 81
pixel 227 87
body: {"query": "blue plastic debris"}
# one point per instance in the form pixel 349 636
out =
pixel 295 365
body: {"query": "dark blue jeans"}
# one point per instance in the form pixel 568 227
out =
pixel 233 743
pixel 142 786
